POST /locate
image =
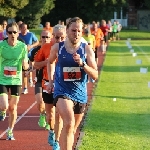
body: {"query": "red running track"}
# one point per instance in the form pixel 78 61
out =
pixel 28 135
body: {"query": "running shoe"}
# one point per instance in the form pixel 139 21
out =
pixel 10 135
pixel 2 115
pixel 42 121
pixel 47 127
pixel 30 82
pixel 51 138
pixel 56 146
pixel 25 91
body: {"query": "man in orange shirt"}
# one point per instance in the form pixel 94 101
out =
pixel 97 32
pixel 42 55
pixel 44 38
pixel 48 27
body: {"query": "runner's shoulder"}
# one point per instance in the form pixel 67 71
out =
pixel 21 43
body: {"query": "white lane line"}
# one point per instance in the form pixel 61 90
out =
pixel 142 52
pixel 1 135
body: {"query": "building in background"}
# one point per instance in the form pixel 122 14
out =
pixel 138 15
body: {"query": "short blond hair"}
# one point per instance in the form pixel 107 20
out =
pixel 75 19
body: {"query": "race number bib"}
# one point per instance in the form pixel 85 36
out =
pixel 71 73
pixel 45 86
pixel 10 71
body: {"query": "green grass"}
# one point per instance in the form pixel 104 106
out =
pixel 37 32
pixel 123 124
pixel 134 34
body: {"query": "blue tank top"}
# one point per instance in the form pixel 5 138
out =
pixel 70 78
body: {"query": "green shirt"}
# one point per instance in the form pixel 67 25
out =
pixel 11 58
pixel 115 27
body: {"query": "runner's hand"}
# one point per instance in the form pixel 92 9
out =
pixel 50 87
pixel 27 73
pixel 77 59
pixel 29 47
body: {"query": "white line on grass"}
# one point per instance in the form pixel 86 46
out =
pixel 1 135
pixel 142 52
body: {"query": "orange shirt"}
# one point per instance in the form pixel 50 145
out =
pixel 50 29
pixel 98 36
pixel 42 55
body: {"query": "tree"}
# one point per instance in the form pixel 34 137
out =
pixel 32 13
pixel 147 3
pixel 9 8
pixel 88 10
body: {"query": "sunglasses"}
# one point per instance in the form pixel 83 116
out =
pixel 58 37
pixel 12 32
pixel 45 37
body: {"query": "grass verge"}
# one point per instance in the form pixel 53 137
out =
pixel 134 34
pixel 123 124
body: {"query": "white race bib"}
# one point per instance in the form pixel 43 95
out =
pixel 10 71
pixel 71 73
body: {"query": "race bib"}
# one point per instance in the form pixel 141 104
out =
pixel 45 86
pixel 10 71
pixel 71 73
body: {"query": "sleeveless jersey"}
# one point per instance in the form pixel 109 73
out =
pixel 70 78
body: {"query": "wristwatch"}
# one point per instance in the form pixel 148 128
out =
pixel 83 63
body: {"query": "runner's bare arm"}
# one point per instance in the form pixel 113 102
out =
pixel 91 67
pixel 40 64
pixel 25 65
pixel 52 61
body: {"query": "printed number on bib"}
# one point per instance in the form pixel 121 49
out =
pixel 71 73
pixel 10 71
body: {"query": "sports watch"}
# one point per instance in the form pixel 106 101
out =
pixel 83 63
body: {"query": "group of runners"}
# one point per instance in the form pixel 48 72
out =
pixel 65 58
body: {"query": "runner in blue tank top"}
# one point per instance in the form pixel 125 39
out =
pixel 70 78
pixel 75 61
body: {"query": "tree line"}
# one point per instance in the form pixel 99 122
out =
pixel 35 12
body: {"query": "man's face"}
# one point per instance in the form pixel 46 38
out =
pixel 59 36
pixel 74 32
pixel 95 26
pixel 45 37
pixel 47 24
pixel 104 23
pixel 12 33
pixel 4 25
pixel 24 29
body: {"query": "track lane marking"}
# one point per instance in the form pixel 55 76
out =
pixel 31 106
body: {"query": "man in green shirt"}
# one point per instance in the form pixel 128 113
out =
pixel 13 55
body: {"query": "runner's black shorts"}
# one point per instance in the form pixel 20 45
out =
pixel 95 52
pixel 38 87
pixel 78 108
pixel 48 98
pixel 13 89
